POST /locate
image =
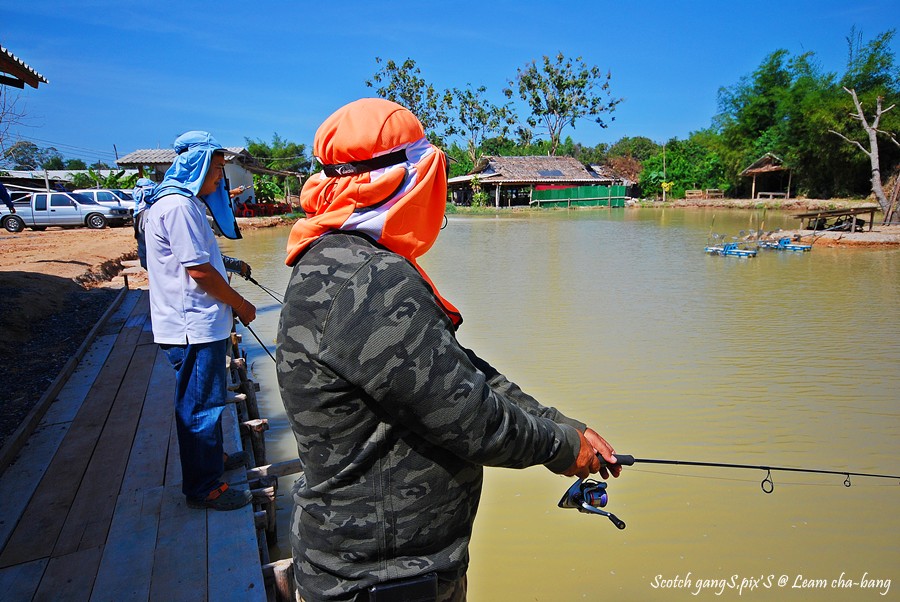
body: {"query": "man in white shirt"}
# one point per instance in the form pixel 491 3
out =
pixel 191 308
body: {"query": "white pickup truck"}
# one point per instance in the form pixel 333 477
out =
pixel 41 210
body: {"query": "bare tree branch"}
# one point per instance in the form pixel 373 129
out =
pixel 10 115
pixel 854 142
pixel 889 136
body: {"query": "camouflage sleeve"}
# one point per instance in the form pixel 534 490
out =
pixel 394 342
pixel 498 382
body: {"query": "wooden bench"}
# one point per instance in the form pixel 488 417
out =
pixel 714 193
pixel 771 195
pixel 836 219
pixel 693 194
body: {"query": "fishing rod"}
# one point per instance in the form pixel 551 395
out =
pixel 263 345
pixel 270 292
pixel 589 496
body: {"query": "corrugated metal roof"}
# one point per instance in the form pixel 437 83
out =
pixel 157 156
pixel 164 157
pixel 21 73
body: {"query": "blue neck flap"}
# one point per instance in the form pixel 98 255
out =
pixel 194 156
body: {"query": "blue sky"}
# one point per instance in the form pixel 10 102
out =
pixel 135 75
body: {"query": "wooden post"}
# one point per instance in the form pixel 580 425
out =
pixel 790 175
pixel 255 429
pixel 265 497
pixel 753 190
pixel 281 574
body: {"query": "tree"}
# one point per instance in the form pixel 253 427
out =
pixel 588 155
pixel 687 164
pixel 640 148
pixel 478 118
pixel 870 66
pixel 10 114
pixel 280 155
pixel 460 164
pixel 24 155
pixel 872 130
pixel 749 118
pixel 115 179
pixel 75 164
pixel 404 85
pixel 562 92
pixel 266 188
pixel 870 79
pixel 54 162
pixel 789 105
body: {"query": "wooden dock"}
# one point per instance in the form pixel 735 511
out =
pixel 91 508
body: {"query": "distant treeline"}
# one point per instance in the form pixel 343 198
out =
pixel 789 107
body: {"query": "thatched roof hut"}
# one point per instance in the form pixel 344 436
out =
pixel 765 166
pixel 533 170
pixel 518 176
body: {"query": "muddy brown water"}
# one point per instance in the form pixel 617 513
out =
pixel 619 319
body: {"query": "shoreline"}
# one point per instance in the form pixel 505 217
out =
pixel 878 237
pixel 57 283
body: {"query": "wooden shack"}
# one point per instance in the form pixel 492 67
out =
pixel 768 173
pixel 512 181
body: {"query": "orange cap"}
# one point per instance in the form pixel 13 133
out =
pixel 382 178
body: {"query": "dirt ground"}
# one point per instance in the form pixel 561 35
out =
pixel 55 285
pixel 48 310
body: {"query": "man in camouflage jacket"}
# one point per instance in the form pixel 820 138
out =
pixel 394 420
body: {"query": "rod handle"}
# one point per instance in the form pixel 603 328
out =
pixel 622 460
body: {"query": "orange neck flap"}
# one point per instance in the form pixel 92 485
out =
pixel 401 206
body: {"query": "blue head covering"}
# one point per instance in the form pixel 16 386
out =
pixel 195 150
pixel 143 189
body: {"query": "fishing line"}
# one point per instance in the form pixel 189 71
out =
pixel 261 343
pixel 270 292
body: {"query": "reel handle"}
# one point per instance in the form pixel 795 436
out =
pixel 618 522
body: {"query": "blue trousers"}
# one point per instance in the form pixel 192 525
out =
pixel 199 401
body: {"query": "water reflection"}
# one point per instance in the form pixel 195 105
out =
pixel 619 319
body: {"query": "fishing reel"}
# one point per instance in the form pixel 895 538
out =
pixel 589 496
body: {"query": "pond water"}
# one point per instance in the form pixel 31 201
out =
pixel 619 319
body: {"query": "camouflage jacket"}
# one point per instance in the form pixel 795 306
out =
pixel 393 421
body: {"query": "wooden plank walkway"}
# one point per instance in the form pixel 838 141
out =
pixel 92 509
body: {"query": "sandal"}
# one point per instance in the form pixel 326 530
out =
pixel 222 498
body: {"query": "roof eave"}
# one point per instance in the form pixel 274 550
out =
pixel 20 73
